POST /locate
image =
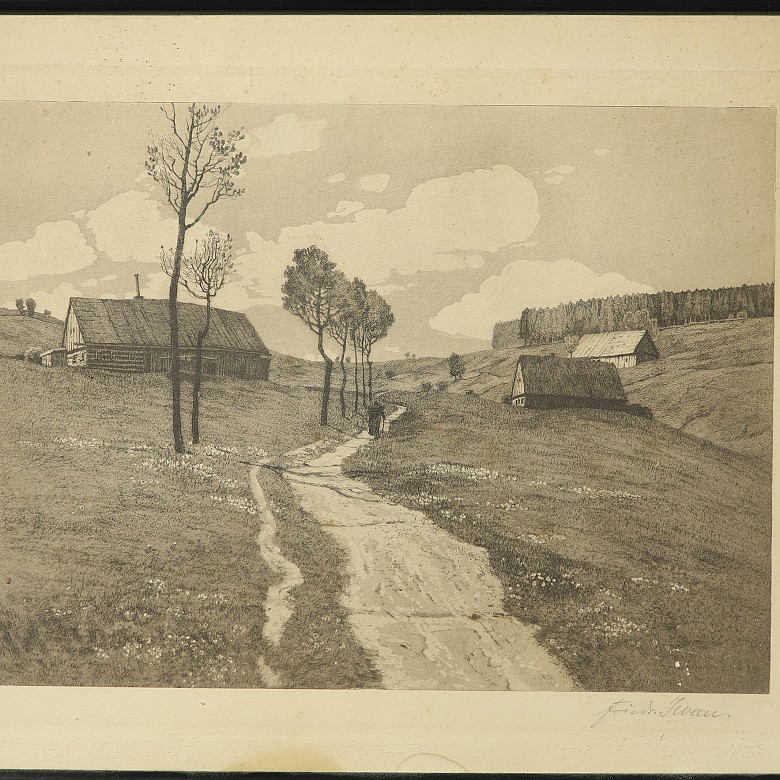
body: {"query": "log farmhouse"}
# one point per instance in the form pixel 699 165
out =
pixel 133 335
pixel 625 349
pixel 548 382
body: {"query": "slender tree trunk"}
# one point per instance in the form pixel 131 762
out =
pixel 326 384
pixel 173 310
pixel 357 391
pixel 199 374
pixel 343 388
pixel 370 377
pixel 173 297
pixel 363 371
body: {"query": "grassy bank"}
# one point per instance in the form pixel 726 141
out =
pixel 126 565
pixel 712 380
pixel 642 554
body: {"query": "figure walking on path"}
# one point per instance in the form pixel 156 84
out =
pixel 376 418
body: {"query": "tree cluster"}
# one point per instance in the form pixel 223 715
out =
pixel 348 312
pixel 636 311
pixel 27 306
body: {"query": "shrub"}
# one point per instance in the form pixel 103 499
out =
pixel 33 354
pixel 391 373
pixel 471 393
pixel 426 387
pixel 442 384
pixel 457 366
pixel 639 410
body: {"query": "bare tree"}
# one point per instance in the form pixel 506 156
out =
pixel 203 273
pixel 310 291
pixel 196 165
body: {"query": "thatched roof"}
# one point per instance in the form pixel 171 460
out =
pixel 567 378
pixel 613 344
pixel 146 323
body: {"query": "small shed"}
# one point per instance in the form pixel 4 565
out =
pixel 55 358
pixel 625 349
pixel 548 382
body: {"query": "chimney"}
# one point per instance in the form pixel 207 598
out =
pixel 138 296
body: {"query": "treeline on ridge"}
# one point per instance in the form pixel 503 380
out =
pixel 634 311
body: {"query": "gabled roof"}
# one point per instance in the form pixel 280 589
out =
pixel 568 378
pixel 146 323
pixel 624 342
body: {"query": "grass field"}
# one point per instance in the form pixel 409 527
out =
pixel 643 554
pixel 713 381
pixel 126 565
pixel 18 334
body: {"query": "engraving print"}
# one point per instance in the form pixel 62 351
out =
pixel 372 396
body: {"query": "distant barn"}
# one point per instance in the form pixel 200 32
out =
pixel 551 382
pixel 624 349
pixel 134 336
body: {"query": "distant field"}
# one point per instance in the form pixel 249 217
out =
pixel 713 381
pixel 642 553
pixel 126 565
pixel 20 333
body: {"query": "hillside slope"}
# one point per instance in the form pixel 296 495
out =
pixel 18 334
pixel 713 381
pixel 124 564
pixel 642 553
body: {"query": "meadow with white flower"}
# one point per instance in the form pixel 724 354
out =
pixel 606 531
pixel 124 564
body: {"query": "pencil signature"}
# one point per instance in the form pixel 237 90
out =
pixel 678 708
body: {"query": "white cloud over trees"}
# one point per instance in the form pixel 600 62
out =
pixel 133 226
pixel 443 226
pixel 527 284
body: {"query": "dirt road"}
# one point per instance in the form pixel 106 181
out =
pixel 425 605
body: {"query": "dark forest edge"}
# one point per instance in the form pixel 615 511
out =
pixel 649 311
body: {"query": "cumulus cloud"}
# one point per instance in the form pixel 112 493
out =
pixel 133 226
pixel 376 183
pixel 287 134
pixel 55 248
pixel 336 178
pixel 528 283
pixel 565 170
pixel 557 175
pixel 346 207
pixel 89 283
pixel 601 152
pixel 56 300
pixel 443 225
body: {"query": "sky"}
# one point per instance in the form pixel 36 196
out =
pixel 459 216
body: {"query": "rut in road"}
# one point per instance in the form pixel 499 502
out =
pixel 426 605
